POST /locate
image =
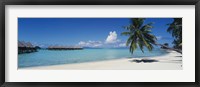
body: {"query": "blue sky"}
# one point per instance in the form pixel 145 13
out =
pixel 86 32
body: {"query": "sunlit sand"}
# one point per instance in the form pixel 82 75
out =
pixel 170 61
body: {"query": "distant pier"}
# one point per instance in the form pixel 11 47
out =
pixel 64 48
pixel 25 47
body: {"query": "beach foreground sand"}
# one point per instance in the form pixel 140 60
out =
pixel 170 61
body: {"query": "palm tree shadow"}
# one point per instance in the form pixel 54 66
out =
pixel 178 56
pixel 145 60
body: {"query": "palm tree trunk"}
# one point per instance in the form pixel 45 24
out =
pixel 177 50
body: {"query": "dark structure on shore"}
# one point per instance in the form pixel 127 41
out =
pixel 24 47
pixel 64 48
pixel 165 46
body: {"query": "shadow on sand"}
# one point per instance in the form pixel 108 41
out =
pixel 178 56
pixel 145 60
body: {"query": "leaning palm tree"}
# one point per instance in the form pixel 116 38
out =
pixel 175 28
pixel 139 35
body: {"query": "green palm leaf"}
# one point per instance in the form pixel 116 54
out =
pixel 175 28
pixel 139 35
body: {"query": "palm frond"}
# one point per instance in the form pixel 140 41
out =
pixel 139 35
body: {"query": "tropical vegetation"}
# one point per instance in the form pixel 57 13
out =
pixel 140 35
pixel 175 28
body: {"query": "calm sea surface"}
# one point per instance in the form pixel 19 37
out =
pixel 50 57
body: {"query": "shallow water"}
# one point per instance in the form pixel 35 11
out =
pixel 56 57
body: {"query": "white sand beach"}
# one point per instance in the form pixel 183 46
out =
pixel 170 61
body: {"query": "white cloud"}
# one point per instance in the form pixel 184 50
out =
pixel 90 43
pixel 112 38
pixel 111 41
pixel 159 37
pixel 122 45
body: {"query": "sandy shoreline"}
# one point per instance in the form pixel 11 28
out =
pixel 170 61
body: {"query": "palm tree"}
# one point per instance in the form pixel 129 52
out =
pixel 139 35
pixel 175 28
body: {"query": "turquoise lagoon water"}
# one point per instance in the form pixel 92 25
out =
pixel 55 57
